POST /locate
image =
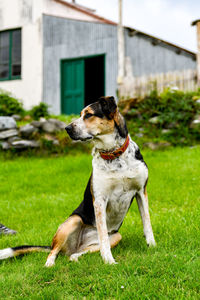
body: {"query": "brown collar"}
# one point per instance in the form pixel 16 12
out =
pixel 116 153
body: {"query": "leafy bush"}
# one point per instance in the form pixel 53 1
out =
pixel 174 110
pixel 170 106
pixel 9 105
pixel 40 110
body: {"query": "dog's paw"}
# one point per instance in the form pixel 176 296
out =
pixel 108 259
pixel 50 262
pixel 151 243
pixel 75 256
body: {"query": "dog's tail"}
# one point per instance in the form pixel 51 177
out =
pixel 11 252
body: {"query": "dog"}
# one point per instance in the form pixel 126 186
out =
pixel 119 175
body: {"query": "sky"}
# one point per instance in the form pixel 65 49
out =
pixel 169 20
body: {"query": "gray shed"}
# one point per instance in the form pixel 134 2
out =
pixel 80 60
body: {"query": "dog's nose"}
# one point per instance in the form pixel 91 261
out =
pixel 69 129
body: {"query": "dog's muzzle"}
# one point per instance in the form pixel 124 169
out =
pixel 69 129
pixel 76 134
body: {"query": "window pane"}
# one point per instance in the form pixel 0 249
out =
pixel 4 71
pixel 4 39
pixel 16 47
pixel 16 70
pixel 4 54
pixel 10 54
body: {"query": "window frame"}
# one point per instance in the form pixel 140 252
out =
pixel 10 76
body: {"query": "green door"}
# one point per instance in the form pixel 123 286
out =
pixel 72 86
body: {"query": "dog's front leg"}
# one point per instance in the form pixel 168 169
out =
pixel 142 201
pixel 100 215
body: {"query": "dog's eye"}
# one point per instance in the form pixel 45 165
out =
pixel 87 116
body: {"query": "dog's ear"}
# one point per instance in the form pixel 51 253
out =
pixel 120 124
pixel 108 106
pixel 110 110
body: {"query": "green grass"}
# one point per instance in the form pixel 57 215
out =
pixel 37 194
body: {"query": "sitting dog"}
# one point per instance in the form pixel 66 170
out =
pixel 119 174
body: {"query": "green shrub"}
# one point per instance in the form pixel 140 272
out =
pixel 40 110
pixel 175 111
pixel 9 105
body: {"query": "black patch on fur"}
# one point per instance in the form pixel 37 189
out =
pixel 86 208
pixel 122 129
pixel 96 107
pixel 87 116
pixel 145 184
pixel 139 156
pixel 108 106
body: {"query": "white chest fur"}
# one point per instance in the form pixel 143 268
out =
pixel 116 183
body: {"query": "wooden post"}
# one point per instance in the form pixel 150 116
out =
pixel 197 23
pixel 120 46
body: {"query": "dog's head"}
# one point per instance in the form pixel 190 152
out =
pixel 99 118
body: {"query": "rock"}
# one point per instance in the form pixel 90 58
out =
pixel 23 144
pixel 27 130
pixel 195 123
pixel 5 145
pixel 56 142
pixel 13 138
pixel 154 120
pixel 49 127
pixel 59 124
pixel 52 139
pixel 16 117
pixel 150 145
pixel 42 119
pixel 8 133
pixel 156 146
pixel 165 131
pixel 37 124
pixel 141 129
pixel 7 123
pixel 140 134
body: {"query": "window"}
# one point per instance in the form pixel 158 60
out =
pixel 10 54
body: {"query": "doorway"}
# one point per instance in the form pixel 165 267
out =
pixel 82 82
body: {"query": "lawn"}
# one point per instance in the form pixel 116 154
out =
pixel 37 194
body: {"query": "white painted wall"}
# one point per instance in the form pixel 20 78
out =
pixel 53 8
pixel 21 14
pixel 27 15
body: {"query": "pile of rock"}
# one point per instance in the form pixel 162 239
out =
pixel 196 122
pixel 28 136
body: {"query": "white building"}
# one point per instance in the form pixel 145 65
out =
pixel 21 43
pixel 65 55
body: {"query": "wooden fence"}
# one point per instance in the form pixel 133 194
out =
pixel 185 80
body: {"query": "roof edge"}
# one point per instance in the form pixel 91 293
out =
pixel 161 40
pixel 87 12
